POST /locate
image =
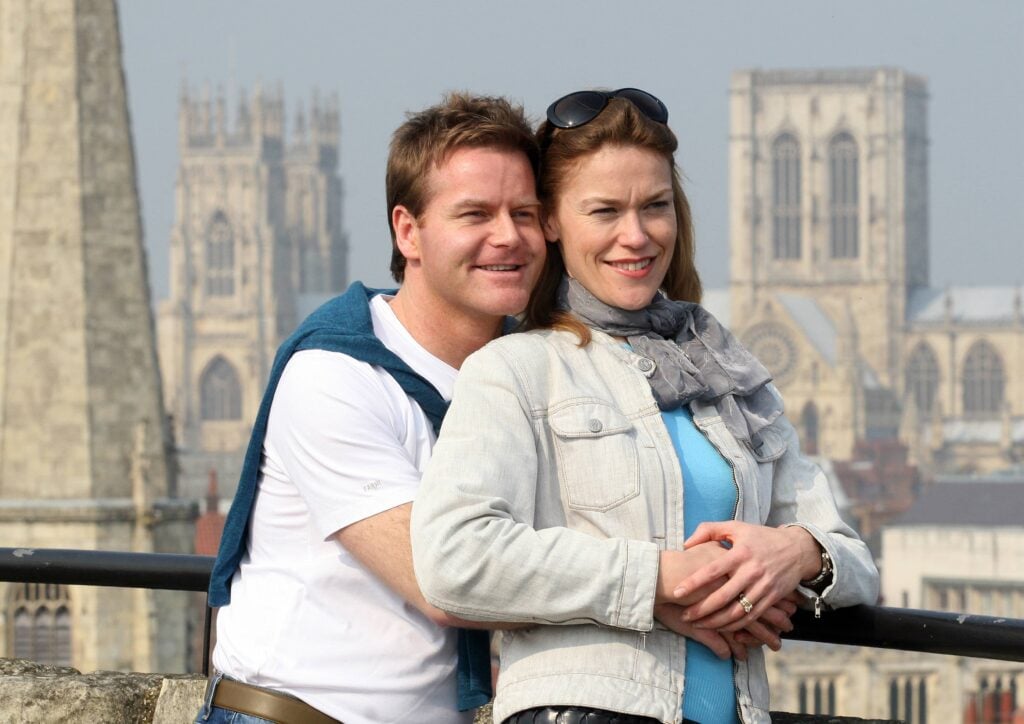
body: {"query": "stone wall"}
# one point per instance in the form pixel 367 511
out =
pixel 31 693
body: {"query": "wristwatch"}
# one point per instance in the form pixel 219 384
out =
pixel 824 576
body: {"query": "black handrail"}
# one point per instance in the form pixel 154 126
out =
pixel 909 629
pixel 116 569
pixel 934 632
pixel 167 571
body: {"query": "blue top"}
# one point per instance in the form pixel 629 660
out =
pixel 343 325
pixel 709 494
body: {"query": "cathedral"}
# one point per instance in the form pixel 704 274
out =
pixel 829 276
pixel 256 245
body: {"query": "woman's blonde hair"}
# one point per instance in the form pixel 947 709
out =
pixel 562 150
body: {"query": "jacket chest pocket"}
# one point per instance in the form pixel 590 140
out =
pixel 773 446
pixel 596 453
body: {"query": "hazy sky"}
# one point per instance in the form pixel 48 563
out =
pixel 385 57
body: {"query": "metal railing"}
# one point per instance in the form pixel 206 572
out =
pixel 933 632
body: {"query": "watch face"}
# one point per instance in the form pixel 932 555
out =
pixel 772 345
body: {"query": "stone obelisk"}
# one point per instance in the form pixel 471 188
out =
pixel 84 454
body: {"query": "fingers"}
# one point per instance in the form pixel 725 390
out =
pixel 722 606
pixel 738 648
pixel 777 617
pixel 763 635
pixel 705 576
pixel 670 616
pixel 708 532
pixel 720 646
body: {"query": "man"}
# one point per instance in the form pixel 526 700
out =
pixel 322 616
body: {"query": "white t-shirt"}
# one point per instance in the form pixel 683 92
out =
pixel 343 443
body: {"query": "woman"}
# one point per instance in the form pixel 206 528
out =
pixel 556 493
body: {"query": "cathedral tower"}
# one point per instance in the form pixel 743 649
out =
pixel 829 238
pixel 256 244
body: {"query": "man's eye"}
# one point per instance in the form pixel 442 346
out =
pixel 603 211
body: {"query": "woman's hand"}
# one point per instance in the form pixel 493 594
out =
pixel 676 566
pixel 722 645
pixel 762 564
pixel 763 632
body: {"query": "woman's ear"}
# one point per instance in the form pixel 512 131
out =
pixel 550 225
pixel 407 237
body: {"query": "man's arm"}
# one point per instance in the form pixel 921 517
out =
pixel 381 544
pixel 338 439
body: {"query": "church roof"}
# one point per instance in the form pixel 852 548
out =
pixel 975 503
pixel 998 304
pixel 815 324
pixel 990 431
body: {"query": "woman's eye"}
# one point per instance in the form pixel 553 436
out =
pixel 659 205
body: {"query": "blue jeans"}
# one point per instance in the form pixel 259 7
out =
pixel 210 714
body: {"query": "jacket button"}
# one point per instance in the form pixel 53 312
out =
pixel 594 425
pixel 645 365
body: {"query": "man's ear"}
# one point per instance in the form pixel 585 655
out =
pixel 407 232
pixel 550 225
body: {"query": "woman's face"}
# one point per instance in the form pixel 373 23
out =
pixel 615 219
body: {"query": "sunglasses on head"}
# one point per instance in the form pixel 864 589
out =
pixel 582 107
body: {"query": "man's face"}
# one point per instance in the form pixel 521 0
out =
pixel 477 249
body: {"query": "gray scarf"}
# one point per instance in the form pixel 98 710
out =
pixel 695 357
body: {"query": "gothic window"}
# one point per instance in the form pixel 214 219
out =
pixel 220 257
pixel 996 699
pixel 882 413
pixel 774 347
pixel 983 381
pixel 220 393
pixel 786 198
pixel 42 623
pixel 311 271
pixel 908 698
pixel 817 695
pixel 843 197
pixel 809 423
pixel 923 378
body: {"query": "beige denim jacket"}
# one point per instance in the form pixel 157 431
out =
pixel 550 493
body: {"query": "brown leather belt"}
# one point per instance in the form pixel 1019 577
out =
pixel 267 704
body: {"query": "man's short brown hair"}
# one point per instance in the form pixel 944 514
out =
pixel 428 138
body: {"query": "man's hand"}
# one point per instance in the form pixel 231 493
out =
pixel 763 632
pixel 722 645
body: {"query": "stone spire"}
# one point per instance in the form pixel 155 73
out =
pixel 84 448
pixel 78 372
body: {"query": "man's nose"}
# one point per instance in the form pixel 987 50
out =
pixel 506 231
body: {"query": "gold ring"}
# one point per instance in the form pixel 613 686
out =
pixel 747 605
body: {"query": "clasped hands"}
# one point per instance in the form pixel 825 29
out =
pixel 700 588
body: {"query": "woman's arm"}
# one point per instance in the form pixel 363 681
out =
pixel 476 552
pixel 767 562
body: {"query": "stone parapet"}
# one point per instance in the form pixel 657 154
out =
pixel 32 693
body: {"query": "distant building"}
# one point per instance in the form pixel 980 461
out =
pixel 959 548
pixel 828 199
pixel 256 245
